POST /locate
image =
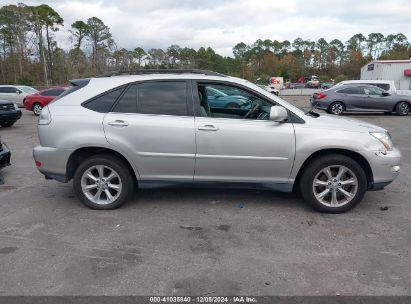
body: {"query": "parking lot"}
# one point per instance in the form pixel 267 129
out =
pixel 190 241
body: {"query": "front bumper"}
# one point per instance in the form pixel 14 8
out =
pixel 10 115
pixel 5 156
pixel 385 167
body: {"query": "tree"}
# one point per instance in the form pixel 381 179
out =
pixel 374 44
pixel 139 53
pixel 173 53
pixel 50 20
pixel 100 37
pixel 79 31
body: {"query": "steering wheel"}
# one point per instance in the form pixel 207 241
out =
pixel 254 110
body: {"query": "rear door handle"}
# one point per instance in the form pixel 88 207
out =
pixel 118 123
pixel 208 128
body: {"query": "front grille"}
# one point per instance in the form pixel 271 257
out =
pixel 7 107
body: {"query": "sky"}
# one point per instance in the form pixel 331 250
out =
pixel 221 24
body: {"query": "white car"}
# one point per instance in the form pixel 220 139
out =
pixel 16 93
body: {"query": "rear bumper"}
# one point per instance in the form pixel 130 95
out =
pixel 5 156
pixel 52 162
pixel 10 115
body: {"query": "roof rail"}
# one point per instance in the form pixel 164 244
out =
pixel 160 71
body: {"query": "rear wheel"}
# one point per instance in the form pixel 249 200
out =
pixel 7 124
pixel 333 183
pixel 402 109
pixel 103 182
pixel 336 108
pixel 37 107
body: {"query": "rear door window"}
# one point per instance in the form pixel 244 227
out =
pixel 352 90
pixel 127 102
pixel 163 98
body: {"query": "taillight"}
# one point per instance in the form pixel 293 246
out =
pixel 38 164
pixel 320 95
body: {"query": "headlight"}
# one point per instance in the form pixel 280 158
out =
pixel 16 107
pixel 384 138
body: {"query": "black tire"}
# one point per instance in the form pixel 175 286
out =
pixel 37 107
pixel 126 178
pixel 336 108
pixel 7 124
pixel 402 108
pixel 310 173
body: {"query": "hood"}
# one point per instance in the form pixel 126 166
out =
pixel 332 122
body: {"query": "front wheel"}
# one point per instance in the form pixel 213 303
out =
pixel 37 107
pixel 336 108
pixel 333 183
pixel 403 108
pixel 103 182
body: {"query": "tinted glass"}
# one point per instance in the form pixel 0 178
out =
pixel 373 90
pixel 105 102
pixel 384 86
pixel 128 102
pixel 352 90
pixel 52 92
pixel 8 90
pixel 163 98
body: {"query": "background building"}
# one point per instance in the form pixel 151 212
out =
pixel 397 70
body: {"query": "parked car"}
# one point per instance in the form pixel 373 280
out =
pixel 9 113
pixel 4 155
pixel 111 133
pixel 16 93
pixel 219 99
pixel 360 98
pixel 387 85
pixel 37 101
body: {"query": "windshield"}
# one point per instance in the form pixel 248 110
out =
pixel 27 89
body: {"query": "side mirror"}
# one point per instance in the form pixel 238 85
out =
pixel 385 94
pixel 278 114
pixel 18 92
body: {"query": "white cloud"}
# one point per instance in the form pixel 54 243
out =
pixel 223 23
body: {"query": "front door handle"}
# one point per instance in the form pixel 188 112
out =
pixel 118 123
pixel 208 128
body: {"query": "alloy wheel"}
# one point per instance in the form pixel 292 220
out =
pixel 404 108
pixel 337 109
pixel 37 109
pixel 335 186
pixel 101 184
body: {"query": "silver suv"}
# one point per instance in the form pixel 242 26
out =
pixel 119 130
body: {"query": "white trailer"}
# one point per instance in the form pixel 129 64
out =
pixel 398 71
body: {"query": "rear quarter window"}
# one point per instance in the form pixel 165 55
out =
pixel 104 102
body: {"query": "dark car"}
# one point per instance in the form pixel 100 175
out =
pixel 4 155
pixel 360 98
pixel 9 113
pixel 226 99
